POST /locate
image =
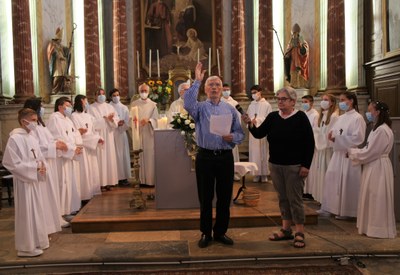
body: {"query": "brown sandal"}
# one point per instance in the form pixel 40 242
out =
pixel 299 240
pixel 287 235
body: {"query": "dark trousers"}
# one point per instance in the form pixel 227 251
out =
pixel 214 169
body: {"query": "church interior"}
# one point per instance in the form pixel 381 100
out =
pixel 351 46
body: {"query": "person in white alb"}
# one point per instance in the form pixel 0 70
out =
pixel 343 179
pixel 121 138
pixel 147 110
pixel 177 105
pixel 258 148
pixel 23 158
pixel 106 121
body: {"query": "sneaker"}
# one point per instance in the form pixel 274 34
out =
pixel 34 253
pixel 65 224
pixel 264 179
pixel 256 179
pixel 68 218
pixel 323 213
pixel 236 178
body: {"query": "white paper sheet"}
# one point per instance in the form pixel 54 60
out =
pixel 220 125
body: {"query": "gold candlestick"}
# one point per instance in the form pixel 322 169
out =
pixel 137 201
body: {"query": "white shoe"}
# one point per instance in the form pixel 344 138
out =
pixel 323 213
pixel 65 224
pixel 256 179
pixel 236 178
pixel 264 179
pixel 36 252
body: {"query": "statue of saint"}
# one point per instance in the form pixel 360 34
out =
pixel 59 58
pixel 296 59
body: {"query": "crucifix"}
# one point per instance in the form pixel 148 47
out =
pixel 341 131
pixel 33 152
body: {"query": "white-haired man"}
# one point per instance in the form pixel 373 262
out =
pixel 177 105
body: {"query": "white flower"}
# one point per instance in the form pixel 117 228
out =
pixel 191 125
pixel 183 115
pixel 187 122
pixel 183 133
pixel 178 120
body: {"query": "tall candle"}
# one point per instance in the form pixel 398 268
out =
pixel 135 128
pixel 209 61
pixel 158 64
pixel 218 65
pixel 138 67
pixel 150 63
pixel 198 55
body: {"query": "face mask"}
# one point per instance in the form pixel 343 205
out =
pixel 144 95
pixel 87 105
pixel 305 106
pixel 31 125
pixel 255 96
pixel 115 99
pixel 101 98
pixel 226 93
pixel 369 116
pixel 68 111
pixel 343 106
pixel 41 112
pixel 325 104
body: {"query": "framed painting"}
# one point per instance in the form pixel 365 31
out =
pixel 391 20
pixel 176 34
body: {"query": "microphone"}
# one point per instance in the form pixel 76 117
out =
pixel 240 109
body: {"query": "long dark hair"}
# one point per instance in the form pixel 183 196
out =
pixel 78 103
pixel 352 96
pixel 35 103
pixel 383 116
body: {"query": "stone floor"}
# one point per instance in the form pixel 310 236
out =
pixel 329 242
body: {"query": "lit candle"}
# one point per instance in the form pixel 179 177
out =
pixel 209 61
pixel 218 65
pixel 162 123
pixel 135 128
pixel 150 63
pixel 158 64
pixel 198 55
pixel 138 67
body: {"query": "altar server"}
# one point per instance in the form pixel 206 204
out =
pixel 62 128
pixel 106 121
pixel 121 138
pixel 22 157
pixel 375 215
pixel 342 179
pixel 147 110
pixel 258 110
pixel 49 146
pixel 90 180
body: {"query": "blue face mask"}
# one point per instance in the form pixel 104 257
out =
pixel 305 106
pixel 369 116
pixel 343 106
pixel 87 105
pixel 101 98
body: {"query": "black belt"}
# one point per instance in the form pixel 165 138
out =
pixel 216 152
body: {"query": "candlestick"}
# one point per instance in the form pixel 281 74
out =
pixel 198 55
pixel 138 67
pixel 150 63
pixel 135 128
pixel 158 64
pixel 218 65
pixel 209 61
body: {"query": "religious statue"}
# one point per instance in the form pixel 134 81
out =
pixel 59 58
pixel 296 59
pixel 197 51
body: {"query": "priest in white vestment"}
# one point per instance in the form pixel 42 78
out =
pixel 23 158
pixel 375 215
pixel 49 146
pixel 258 110
pixel 177 105
pixel 342 179
pixel 106 122
pixel 121 138
pixel 147 110
pixel 90 180
pixel 62 128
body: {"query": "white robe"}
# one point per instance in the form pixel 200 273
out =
pixel 62 128
pixel 322 156
pixel 342 179
pixel 51 196
pixel 106 155
pixel 147 109
pixel 375 216
pixel 90 180
pixel 231 101
pixel 121 142
pixel 176 107
pixel 21 161
pixel 258 148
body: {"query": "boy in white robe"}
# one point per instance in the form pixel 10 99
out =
pixel 121 138
pixel 147 110
pixel 22 157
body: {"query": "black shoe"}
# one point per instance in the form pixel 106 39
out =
pixel 142 185
pixel 204 241
pixel 223 239
pixel 123 182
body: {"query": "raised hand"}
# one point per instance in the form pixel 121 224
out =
pixel 198 72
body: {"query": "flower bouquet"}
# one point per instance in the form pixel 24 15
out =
pixel 160 91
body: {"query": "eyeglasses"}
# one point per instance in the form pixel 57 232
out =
pixel 281 99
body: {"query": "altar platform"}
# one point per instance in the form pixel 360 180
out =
pixel 110 212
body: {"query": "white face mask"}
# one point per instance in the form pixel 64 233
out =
pixel 87 105
pixel 101 98
pixel 144 95
pixel 226 93
pixel 68 111
pixel 31 125
pixel 325 104
pixel 255 96
pixel 41 112
pixel 116 99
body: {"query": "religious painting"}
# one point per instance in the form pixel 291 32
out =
pixel 175 33
pixel 392 26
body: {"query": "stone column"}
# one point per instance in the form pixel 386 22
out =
pixel 92 50
pixel 120 48
pixel 265 49
pixel 336 47
pixel 238 62
pixel 22 51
